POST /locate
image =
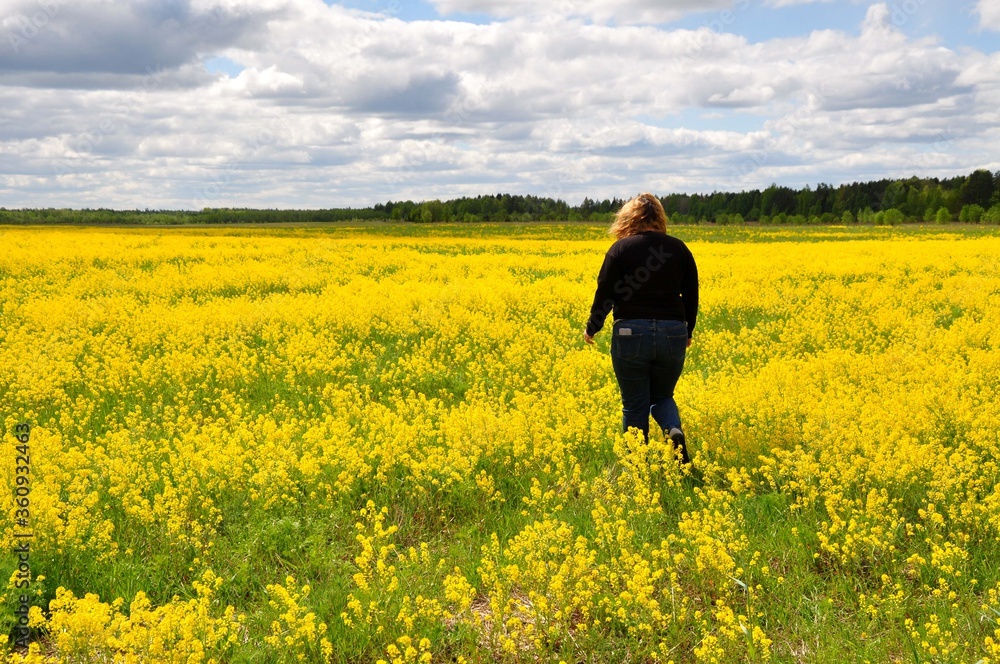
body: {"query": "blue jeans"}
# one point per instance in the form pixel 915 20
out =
pixel 648 360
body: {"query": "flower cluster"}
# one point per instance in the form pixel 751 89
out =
pixel 389 443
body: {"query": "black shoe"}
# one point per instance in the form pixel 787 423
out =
pixel 677 438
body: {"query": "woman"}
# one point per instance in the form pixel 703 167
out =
pixel 650 280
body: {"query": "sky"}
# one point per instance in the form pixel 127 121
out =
pixel 187 104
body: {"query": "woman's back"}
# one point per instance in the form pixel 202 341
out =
pixel 651 275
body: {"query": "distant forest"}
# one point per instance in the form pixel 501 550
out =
pixel 974 198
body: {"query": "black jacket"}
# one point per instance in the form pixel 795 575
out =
pixel 647 275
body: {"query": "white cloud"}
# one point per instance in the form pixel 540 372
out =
pixel 989 14
pixel 339 107
pixel 268 82
pixel 630 11
pixel 123 38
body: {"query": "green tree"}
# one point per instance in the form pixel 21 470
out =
pixel 432 211
pixel 895 195
pixel 893 217
pixel 775 200
pixel 933 198
pixel 943 216
pixel 992 215
pixel 805 201
pixel 971 214
pixel 978 189
pixel 914 202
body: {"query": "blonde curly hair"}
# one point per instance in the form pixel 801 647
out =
pixel 642 213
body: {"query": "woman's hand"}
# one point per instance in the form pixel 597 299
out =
pixel 588 338
pixel 690 341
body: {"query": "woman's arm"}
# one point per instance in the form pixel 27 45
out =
pixel 689 290
pixel 604 300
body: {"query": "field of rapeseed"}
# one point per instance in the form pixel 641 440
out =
pixel 390 443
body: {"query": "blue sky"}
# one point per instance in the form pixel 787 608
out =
pixel 412 11
pixel 313 103
pixel 956 25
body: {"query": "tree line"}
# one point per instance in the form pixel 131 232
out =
pixel 973 198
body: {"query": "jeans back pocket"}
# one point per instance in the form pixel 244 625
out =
pixel 629 346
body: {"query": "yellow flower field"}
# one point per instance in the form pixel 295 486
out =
pixel 389 443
